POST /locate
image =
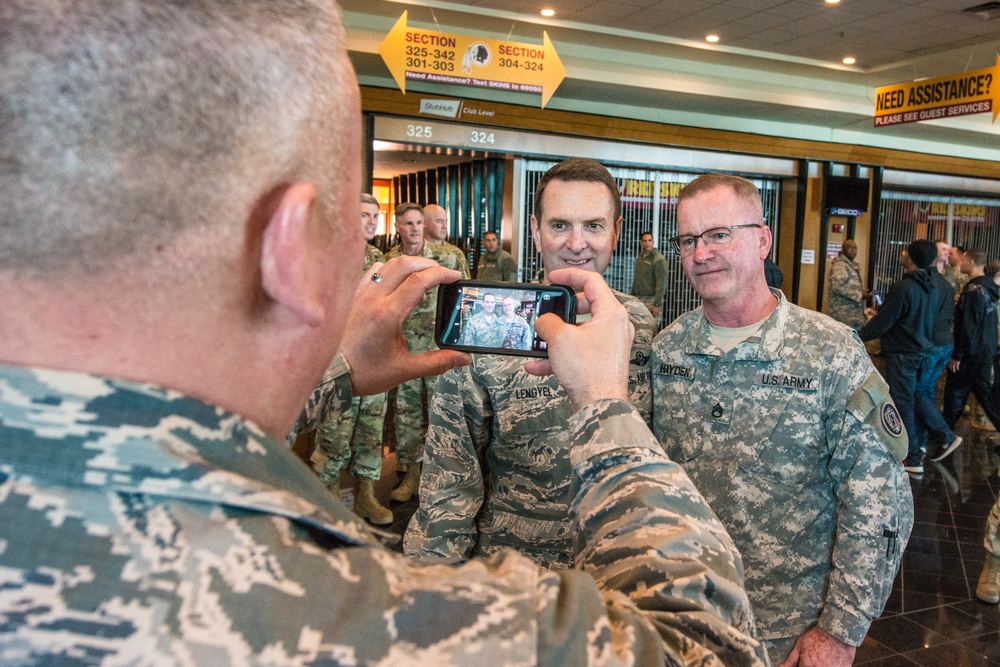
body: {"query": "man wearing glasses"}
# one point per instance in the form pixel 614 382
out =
pixel 786 428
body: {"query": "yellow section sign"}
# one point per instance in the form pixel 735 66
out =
pixel 943 97
pixel 413 54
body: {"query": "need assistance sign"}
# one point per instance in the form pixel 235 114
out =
pixel 943 97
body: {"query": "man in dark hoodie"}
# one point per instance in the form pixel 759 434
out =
pixel 975 341
pixel 905 323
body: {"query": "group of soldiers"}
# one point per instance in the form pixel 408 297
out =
pixel 766 405
pixel 505 330
pixel 354 440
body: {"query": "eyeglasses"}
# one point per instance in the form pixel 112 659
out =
pixel 715 238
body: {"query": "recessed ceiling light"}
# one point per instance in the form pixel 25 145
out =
pixel 832 2
pixel 548 12
pixel 849 60
pixel 712 38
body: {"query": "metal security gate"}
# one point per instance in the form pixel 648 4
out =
pixel 649 204
pixel 907 216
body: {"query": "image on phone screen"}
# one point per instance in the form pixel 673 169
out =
pixel 498 318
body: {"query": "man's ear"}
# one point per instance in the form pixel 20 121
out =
pixel 618 230
pixel 765 241
pixel 285 253
pixel 535 234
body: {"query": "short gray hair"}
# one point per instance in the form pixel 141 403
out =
pixel 125 122
pixel 368 199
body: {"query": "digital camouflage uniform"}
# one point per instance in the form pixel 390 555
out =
pixel 517 333
pixel 355 437
pixel 496 267
pixel 483 329
pixel 955 277
pixel 497 470
pixel 794 442
pixel 418 331
pixel 451 257
pixel 650 283
pixel 992 538
pixel 845 294
pixel 139 526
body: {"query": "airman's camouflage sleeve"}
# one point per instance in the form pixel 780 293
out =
pixel 451 482
pixel 874 503
pixel 643 530
pixel 140 526
pixel 328 400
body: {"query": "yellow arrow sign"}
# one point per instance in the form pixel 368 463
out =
pixel 413 54
pixel 943 97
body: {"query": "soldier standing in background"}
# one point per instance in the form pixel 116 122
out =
pixel 782 422
pixel 845 292
pixel 497 470
pixel 650 283
pixel 355 437
pixel 436 233
pixel 496 265
pixel 418 330
pixel 953 269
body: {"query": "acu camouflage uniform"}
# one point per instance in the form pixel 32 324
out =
pixel 418 331
pixel 793 440
pixel 139 526
pixel 845 294
pixel 517 333
pixel 483 329
pixel 451 257
pixel 355 437
pixel 497 467
pixel 496 267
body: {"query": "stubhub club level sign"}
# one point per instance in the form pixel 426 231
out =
pixel 413 54
pixel 943 97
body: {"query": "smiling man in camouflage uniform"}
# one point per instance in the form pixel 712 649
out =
pixel 785 426
pixel 496 468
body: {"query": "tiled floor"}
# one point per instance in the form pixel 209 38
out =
pixel 933 617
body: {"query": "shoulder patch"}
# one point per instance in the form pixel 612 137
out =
pixel 870 403
pixel 891 420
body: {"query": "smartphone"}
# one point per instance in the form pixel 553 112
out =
pixel 498 318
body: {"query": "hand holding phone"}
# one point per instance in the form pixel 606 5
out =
pixel 498 318
pixel 591 361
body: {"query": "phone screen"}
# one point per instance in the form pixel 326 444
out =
pixel 498 318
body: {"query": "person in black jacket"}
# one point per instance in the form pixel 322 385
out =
pixel 975 342
pixel 905 323
pixel 930 421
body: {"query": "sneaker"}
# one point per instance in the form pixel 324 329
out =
pixel 955 444
pixel 916 466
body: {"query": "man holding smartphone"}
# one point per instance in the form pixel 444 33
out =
pixel 496 467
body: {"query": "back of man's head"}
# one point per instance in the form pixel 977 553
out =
pixel 923 253
pixel 125 122
pixel 578 169
pixel 977 256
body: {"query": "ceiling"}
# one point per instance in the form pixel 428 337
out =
pixel 877 33
pixel 776 70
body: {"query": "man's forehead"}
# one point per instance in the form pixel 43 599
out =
pixel 568 191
